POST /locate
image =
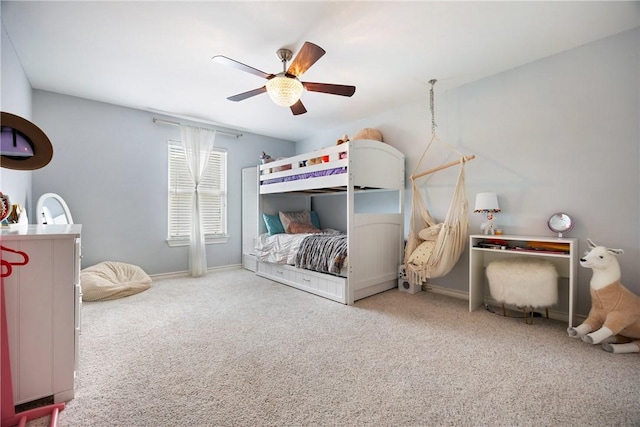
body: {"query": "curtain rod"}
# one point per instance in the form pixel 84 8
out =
pixel 169 122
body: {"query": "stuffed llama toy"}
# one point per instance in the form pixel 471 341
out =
pixel 487 227
pixel 614 319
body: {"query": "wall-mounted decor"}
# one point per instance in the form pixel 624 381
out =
pixel 24 146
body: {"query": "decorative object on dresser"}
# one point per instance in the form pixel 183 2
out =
pixel 525 282
pixel 52 209
pixel 439 254
pixel 484 250
pixel 5 206
pixel 614 318
pixel 487 203
pixel 373 239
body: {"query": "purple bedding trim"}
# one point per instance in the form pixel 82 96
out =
pixel 335 171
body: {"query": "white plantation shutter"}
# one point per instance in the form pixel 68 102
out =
pixel 213 195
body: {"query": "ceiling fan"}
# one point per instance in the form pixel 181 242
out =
pixel 285 88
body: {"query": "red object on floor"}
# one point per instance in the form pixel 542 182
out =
pixel 8 416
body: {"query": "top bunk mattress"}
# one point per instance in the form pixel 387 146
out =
pixel 355 164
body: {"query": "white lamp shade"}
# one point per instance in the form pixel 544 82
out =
pixel 486 202
pixel 284 91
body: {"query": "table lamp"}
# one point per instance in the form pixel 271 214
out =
pixel 487 203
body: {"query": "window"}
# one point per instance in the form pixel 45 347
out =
pixel 213 196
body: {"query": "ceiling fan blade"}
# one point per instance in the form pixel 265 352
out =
pixel 342 90
pixel 298 108
pixel 220 59
pixel 245 95
pixel 307 56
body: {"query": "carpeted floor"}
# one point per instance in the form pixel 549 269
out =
pixel 234 349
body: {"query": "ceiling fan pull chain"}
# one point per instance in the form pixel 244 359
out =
pixel 433 108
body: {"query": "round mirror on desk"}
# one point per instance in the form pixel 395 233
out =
pixel 560 223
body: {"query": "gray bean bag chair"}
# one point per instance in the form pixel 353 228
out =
pixel 111 280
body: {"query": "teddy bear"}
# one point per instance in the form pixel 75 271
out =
pixel 368 133
pixel 614 318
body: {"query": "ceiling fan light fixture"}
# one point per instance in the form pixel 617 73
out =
pixel 284 91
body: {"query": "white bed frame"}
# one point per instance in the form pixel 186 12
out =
pixel 375 240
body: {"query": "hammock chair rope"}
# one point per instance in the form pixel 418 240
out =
pixel 436 259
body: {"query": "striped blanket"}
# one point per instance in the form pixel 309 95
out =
pixel 325 253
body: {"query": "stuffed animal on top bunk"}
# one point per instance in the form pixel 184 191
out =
pixel 265 158
pixel 368 133
pixel 614 318
pixel 345 138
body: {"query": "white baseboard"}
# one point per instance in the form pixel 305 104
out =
pixel 446 291
pixel 186 273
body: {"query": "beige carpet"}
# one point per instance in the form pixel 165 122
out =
pixel 234 349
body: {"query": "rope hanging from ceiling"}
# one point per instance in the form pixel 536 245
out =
pixel 433 248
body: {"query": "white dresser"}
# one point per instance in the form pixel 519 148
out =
pixel 43 302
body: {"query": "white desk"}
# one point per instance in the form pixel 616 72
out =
pixel 479 258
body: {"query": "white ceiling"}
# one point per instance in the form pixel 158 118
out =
pixel 156 56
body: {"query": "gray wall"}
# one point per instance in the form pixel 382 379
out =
pixel 15 98
pixel 560 134
pixel 110 165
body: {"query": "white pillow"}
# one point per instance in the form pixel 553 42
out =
pixel 430 233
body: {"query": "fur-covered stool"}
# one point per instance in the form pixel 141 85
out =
pixel 526 282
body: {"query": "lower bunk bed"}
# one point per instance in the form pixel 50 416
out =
pixel 334 265
pixel 372 242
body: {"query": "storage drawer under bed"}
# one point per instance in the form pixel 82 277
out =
pixel 325 285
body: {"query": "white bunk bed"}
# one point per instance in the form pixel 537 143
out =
pixel 375 241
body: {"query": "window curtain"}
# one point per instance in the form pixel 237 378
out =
pixel 197 144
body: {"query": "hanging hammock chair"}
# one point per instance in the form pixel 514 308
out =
pixel 433 248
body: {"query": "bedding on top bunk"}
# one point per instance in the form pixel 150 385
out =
pixel 306 175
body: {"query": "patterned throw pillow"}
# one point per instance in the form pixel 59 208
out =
pixel 299 228
pixel 420 256
pixel 301 217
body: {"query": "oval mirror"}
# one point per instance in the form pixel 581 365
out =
pixel 560 223
pixel 52 209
